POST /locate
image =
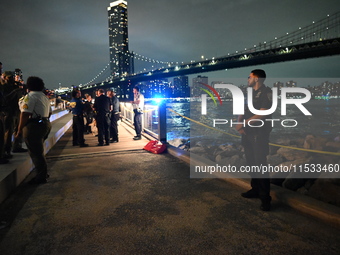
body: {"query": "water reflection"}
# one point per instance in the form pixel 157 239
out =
pixel 324 121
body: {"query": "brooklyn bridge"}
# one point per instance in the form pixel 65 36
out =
pixel 319 39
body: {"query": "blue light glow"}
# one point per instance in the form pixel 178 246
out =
pixel 157 100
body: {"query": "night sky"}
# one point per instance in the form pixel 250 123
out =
pixel 66 42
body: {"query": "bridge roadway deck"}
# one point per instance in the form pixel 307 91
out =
pixel 119 199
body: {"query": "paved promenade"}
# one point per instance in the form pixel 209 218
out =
pixel 119 199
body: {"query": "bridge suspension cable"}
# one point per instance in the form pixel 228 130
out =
pixel 146 59
pixel 98 75
pixel 326 28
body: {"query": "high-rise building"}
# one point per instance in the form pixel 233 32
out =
pixel 197 83
pixel 181 86
pixel 120 58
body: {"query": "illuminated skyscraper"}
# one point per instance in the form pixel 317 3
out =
pixel 120 59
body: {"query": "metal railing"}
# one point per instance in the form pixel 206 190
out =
pixel 153 119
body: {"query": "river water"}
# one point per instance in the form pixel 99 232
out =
pixel 324 121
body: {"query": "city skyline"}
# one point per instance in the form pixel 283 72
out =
pixel 67 43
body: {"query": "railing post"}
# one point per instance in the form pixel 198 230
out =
pixel 143 119
pixel 162 122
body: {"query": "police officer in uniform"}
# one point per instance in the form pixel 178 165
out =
pixel 34 125
pixel 77 108
pixel 88 111
pixel 102 107
pixel 115 115
pixel 255 139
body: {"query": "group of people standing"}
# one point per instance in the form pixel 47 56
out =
pixel 12 90
pixel 255 140
pixel 104 110
pixel 24 114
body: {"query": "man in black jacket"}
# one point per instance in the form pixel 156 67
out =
pixel 255 139
pixel 102 107
pixel 88 111
pixel 115 114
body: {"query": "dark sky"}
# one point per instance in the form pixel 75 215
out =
pixel 66 41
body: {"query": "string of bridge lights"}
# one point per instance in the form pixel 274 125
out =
pixel 140 57
pixel 310 34
pixel 99 74
pixel 135 56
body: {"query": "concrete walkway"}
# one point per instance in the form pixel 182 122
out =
pixel 13 173
pixel 119 199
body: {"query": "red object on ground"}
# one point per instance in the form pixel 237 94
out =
pixel 155 147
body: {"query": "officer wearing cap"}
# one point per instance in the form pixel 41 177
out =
pixel 34 125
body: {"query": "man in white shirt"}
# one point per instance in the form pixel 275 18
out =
pixel 138 106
